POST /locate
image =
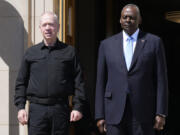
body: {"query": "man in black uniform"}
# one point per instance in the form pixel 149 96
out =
pixel 49 73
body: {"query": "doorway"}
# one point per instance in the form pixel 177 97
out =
pixel 97 20
pixel 154 21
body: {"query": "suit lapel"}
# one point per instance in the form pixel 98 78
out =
pixel 119 47
pixel 139 46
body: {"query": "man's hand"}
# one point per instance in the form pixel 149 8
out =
pixel 101 126
pixel 159 122
pixel 75 116
pixel 22 116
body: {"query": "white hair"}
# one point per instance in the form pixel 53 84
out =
pixel 50 13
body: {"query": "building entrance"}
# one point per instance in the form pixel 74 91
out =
pixel 97 20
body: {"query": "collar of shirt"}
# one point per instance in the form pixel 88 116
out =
pixel 134 35
pixel 56 45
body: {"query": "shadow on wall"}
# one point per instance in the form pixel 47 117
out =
pixel 13 39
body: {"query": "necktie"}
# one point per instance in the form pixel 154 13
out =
pixel 128 51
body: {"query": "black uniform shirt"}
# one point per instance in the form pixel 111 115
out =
pixel 50 72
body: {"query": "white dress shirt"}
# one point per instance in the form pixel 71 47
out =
pixel 134 36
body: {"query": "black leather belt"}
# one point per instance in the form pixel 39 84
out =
pixel 47 101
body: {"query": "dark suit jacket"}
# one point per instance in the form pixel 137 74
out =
pixel 145 82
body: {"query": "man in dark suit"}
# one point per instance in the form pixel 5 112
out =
pixel 131 89
pixel 49 74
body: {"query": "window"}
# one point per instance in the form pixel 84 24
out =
pixel 65 9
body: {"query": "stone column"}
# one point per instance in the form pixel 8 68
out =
pixel 19 30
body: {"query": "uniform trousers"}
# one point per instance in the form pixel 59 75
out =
pixel 49 119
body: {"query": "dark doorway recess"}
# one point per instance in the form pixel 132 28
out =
pixel 153 21
pixel 97 20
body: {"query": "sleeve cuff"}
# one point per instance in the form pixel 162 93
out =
pixel 21 106
pixel 78 108
pixel 162 115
